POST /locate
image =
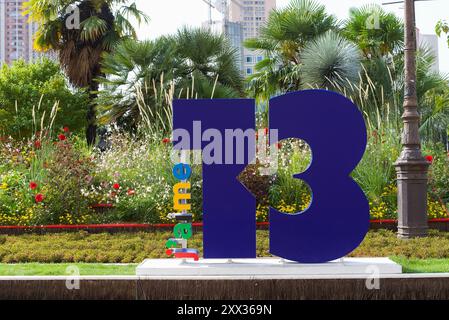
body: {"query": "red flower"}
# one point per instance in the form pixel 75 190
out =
pixel 61 137
pixel 279 145
pixel 37 144
pixel 429 159
pixel 131 192
pixel 266 131
pixel 166 140
pixel 66 129
pixel 33 185
pixel 39 197
pixel 116 186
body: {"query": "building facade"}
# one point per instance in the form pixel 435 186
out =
pixel 242 19
pixel 16 34
pixel 252 15
pixel 234 33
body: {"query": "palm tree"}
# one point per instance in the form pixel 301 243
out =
pixel 103 23
pixel 209 55
pixel 435 118
pixel 194 62
pixel 282 39
pixel 376 32
pixel 379 36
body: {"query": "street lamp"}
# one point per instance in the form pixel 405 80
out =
pixel 411 167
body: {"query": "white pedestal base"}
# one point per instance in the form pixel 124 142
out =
pixel 265 267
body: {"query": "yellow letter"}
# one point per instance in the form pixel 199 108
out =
pixel 181 196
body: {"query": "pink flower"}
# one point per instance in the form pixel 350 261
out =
pixel 131 192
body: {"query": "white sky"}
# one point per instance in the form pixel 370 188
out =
pixel 168 15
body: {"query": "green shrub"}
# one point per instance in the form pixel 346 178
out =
pixel 135 247
pixel 40 84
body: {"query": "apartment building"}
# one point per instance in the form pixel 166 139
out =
pixel 16 34
pixel 252 15
pixel 241 20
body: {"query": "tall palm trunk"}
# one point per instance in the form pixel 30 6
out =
pixel 91 129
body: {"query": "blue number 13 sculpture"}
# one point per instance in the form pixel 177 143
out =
pixel 338 218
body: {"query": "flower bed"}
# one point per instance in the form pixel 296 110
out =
pixel 59 181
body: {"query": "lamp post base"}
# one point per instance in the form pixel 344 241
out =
pixel 412 198
pixel 412 232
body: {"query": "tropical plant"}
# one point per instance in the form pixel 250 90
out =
pixel 282 40
pixel 102 24
pixel 380 91
pixel 194 63
pixel 433 94
pixel 209 55
pixel 376 32
pixel 435 118
pixel 330 62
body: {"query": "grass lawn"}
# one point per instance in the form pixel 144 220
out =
pixel 61 269
pixel 99 254
pixel 422 265
pixel 98 269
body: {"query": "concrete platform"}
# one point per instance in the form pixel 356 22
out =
pixel 265 267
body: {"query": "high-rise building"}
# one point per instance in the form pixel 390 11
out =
pixel 234 33
pixel 242 19
pixel 16 33
pixel 252 14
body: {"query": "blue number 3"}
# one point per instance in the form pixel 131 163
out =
pixel 338 218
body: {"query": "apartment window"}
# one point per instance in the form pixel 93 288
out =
pixel 249 59
pixel 249 70
pixel 259 58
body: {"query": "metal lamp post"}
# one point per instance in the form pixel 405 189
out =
pixel 411 167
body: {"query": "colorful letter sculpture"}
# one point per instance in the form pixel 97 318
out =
pixel 338 218
pixel 183 230
pixel 229 220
